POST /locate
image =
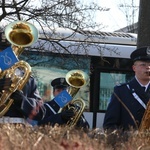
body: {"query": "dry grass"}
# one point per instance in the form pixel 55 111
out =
pixel 19 137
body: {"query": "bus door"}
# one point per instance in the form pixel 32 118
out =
pixel 106 73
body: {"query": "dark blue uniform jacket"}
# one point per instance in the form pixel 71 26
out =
pixel 32 94
pixel 117 116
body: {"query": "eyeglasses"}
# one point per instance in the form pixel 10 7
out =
pixel 146 64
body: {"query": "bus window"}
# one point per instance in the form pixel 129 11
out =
pixel 46 67
pixel 107 82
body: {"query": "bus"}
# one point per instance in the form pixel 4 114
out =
pixel 104 56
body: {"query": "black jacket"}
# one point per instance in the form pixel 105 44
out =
pixel 57 119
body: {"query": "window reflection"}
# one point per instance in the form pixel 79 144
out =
pixel 46 67
pixel 107 83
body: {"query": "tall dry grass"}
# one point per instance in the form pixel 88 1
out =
pixel 20 137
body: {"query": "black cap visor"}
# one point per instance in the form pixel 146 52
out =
pixel 142 58
pixel 60 87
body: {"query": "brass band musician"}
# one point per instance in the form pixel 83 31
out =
pixel 60 84
pixel 134 95
pixel 30 91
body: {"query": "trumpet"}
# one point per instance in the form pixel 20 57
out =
pixel 20 34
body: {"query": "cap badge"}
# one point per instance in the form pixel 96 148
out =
pixel 62 80
pixel 148 51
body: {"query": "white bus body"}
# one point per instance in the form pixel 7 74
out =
pixel 123 43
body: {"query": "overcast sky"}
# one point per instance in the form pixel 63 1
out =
pixel 115 18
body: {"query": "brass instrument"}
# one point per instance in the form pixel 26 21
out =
pixel 76 79
pixel 18 83
pixel 20 34
pixel 78 108
pixel 145 123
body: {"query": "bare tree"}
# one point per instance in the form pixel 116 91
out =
pixel 52 13
pixel 48 15
pixel 130 10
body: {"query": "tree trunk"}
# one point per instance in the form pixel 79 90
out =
pixel 144 24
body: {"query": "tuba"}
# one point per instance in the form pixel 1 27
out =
pixel 76 79
pixel 20 34
pixel 145 123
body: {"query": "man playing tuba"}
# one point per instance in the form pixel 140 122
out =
pixel 62 118
pixel 22 101
pixel 29 91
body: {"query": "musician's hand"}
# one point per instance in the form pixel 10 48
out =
pixel 67 114
pixel 18 97
pixel 82 123
pixel 5 84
